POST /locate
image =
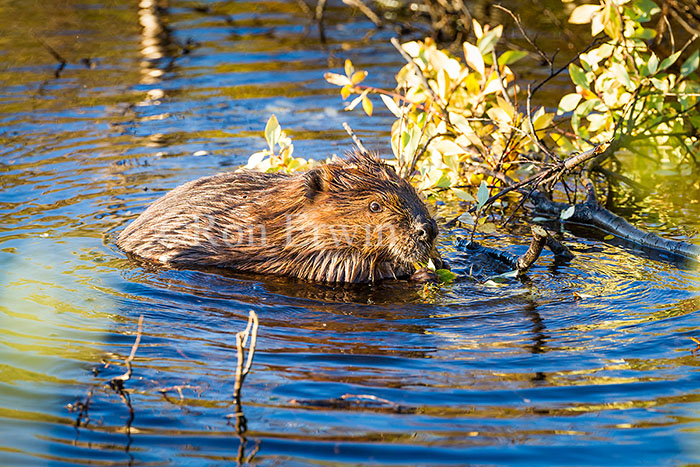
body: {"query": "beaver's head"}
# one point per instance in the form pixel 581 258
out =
pixel 361 207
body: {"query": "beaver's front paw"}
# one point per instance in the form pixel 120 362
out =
pixel 425 275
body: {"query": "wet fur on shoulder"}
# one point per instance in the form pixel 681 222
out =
pixel 351 220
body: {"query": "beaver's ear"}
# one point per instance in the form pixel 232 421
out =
pixel 317 180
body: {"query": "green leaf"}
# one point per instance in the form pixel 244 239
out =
pixel 659 84
pixel 567 213
pixel 611 21
pixel 643 33
pixel 466 218
pixel 578 76
pixel 495 281
pixel 653 64
pixel 444 181
pixel 644 10
pixel 586 107
pixel 482 195
pixel 487 42
pixel 446 276
pixel 691 64
pixel 272 132
pixel 463 195
pixel 670 60
pixel 511 56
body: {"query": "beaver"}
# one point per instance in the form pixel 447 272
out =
pixel 349 220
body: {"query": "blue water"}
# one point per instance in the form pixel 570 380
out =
pixel 581 363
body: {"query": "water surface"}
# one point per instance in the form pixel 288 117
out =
pixel 581 363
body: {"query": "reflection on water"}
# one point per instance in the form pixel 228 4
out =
pixel 581 363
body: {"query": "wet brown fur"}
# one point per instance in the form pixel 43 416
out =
pixel 315 225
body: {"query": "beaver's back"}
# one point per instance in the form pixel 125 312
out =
pixel 190 223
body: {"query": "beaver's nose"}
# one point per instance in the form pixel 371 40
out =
pixel 426 229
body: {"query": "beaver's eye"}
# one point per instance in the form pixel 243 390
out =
pixel 375 207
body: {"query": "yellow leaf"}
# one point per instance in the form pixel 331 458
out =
pixel 487 227
pixel 349 69
pixel 498 115
pixel 447 147
pixel 507 108
pixel 608 237
pixel 492 86
pixel 543 121
pixel 583 14
pixel 476 27
pixel 345 91
pixel 367 105
pixel 358 76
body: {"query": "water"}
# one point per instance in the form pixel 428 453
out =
pixel 585 363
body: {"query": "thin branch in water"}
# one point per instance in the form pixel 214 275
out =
pixel 542 176
pixel 305 9
pixel 178 388
pixel 559 249
pixel 356 139
pixel 119 380
pixel 251 331
pixel 527 259
pixel 82 407
pixel 320 19
pixel 58 57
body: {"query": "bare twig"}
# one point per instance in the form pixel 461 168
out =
pixel 518 23
pixel 687 26
pixel 320 19
pixel 367 11
pixel 600 151
pixel 533 134
pixel 82 407
pixel 251 331
pixel 424 81
pixel 419 154
pixel 119 380
pixel 356 139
